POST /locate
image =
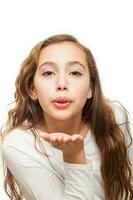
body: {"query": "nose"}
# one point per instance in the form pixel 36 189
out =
pixel 62 83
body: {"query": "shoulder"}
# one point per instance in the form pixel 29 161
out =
pixel 23 142
pixel 122 117
pixel 120 112
pixel 17 137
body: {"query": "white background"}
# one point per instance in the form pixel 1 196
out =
pixel 106 27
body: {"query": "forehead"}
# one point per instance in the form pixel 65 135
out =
pixel 63 51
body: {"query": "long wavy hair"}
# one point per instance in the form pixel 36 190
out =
pixel 97 112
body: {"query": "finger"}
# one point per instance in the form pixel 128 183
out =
pixel 67 140
pixel 52 139
pixel 77 138
pixel 54 142
pixel 45 136
pixel 59 139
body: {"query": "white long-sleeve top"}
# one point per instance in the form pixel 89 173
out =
pixel 41 178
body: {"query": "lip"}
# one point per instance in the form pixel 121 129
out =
pixel 65 102
pixel 61 105
pixel 64 99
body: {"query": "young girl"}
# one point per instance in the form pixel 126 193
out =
pixel 64 140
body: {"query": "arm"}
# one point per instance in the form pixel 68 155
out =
pixel 37 178
pixel 78 178
pixel 77 186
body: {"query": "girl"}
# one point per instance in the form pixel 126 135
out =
pixel 64 140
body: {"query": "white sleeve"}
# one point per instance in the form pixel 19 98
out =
pixel 40 182
pixel 120 118
pixel 78 182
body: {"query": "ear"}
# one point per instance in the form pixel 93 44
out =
pixel 33 95
pixel 89 94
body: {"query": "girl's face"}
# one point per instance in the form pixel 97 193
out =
pixel 62 71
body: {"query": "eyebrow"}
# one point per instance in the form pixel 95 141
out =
pixel 53 64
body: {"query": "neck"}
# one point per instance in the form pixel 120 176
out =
pixel 69 126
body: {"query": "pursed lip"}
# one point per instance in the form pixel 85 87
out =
pixel 62 99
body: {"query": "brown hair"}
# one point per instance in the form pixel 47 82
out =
pixel 97 111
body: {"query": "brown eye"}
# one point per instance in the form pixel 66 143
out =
pixel 76 73
pixel 47 73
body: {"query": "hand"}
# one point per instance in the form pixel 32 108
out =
pixel 68 144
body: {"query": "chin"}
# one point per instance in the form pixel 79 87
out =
pixel 62 116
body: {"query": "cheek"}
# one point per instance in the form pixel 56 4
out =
pixel 44 92
pixel 83 87
pixel 82 94
pixel 41 86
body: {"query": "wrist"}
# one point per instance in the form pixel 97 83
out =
pixel 78 158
